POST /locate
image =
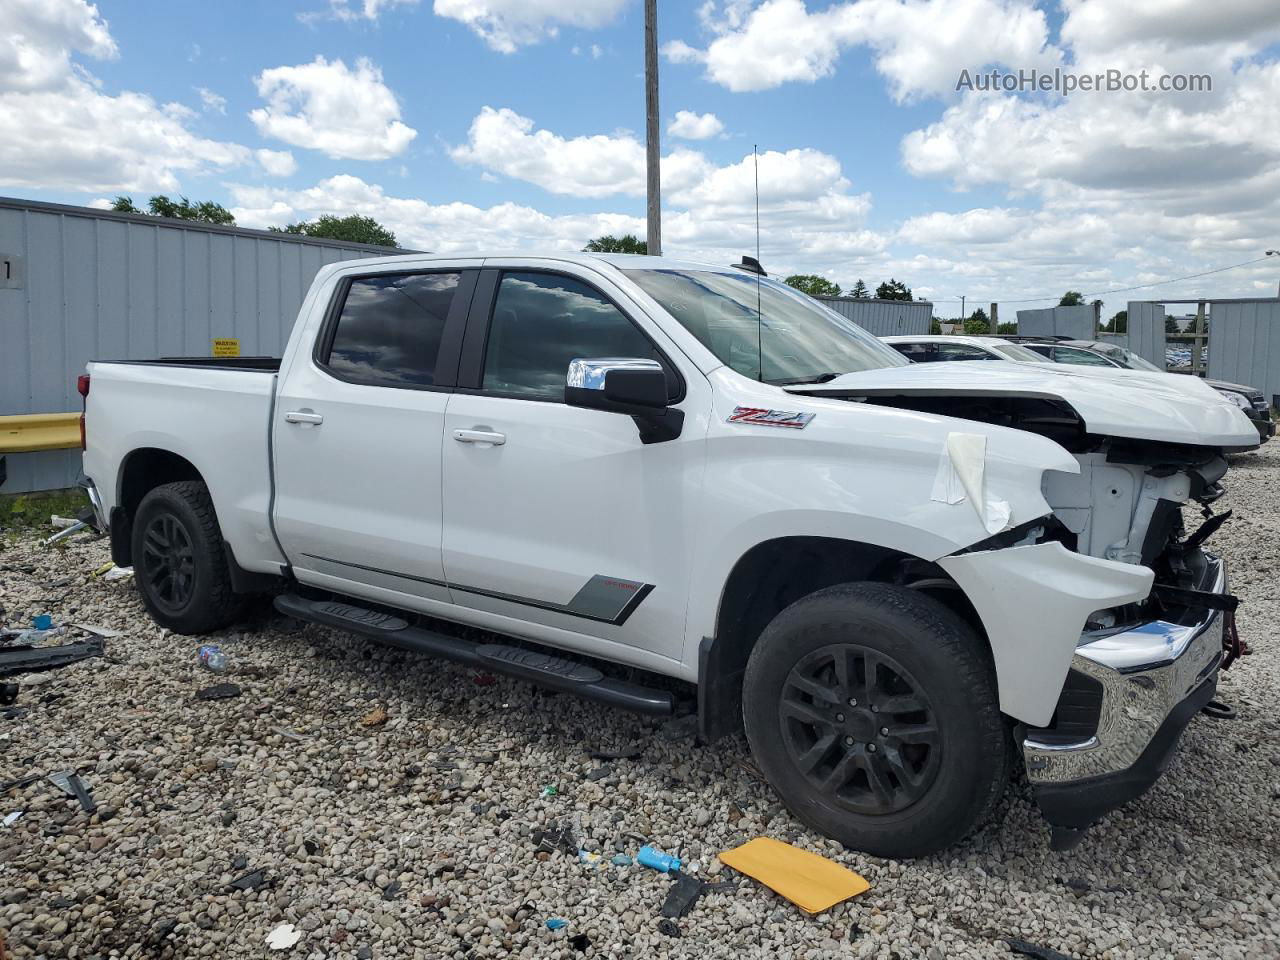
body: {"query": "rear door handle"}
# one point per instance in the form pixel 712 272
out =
pixel 480 436
pixel 303 416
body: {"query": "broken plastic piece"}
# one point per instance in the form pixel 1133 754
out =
pixel 1034 950
pixel 117 573
pixel 580 942
pixel 621 860
pixel 682 895
pixel 219 691
pixel 589 858
pixel 668 928
pixel 69 782
pixel 657 860
pixel 811 882
pixel 249 881
pixel 11 818
pixel 555 923
pixel 549 790
pixel 283 937
pixel 962 473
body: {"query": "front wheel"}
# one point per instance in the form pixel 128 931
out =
pixel 872 709
pixel 178 560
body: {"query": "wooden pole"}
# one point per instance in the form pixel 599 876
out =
pixel 652 117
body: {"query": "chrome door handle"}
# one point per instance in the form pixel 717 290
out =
pixel 302 416
pixel 480 436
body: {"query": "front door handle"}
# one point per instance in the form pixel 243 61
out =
pixel 303 416
pixel 488 437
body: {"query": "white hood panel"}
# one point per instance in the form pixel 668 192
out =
pixel 1143 406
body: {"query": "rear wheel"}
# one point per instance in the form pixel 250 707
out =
pixel 178 560
pixel 872 710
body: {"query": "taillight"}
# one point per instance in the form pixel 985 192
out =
pixel 82 388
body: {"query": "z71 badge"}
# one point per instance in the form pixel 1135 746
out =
pixel 770 418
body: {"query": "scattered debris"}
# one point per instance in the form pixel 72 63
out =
pixel 624 753
pixel 212 658
pixel 668 928
pixel 24 657
pixel 283 937
pixel 600 772
pixel 589 858
pixel 249 881
pixel 657 860
pixel 291 734
pixel 26 781
pixel 109 572
pixel 556 923
pixel 580 942
pixel 811 882
pixel 548 791
pixel 219 691
pixel 74 527
pixel 97 630
pixel 61 523
pixel 621 860
pixel 1034 950
pixel 391 891
pixel 375 717
pixel 69 782
pixel 11 818
pixel 484 679
pixel 556 838
pixel 1219 710
pixel 682 895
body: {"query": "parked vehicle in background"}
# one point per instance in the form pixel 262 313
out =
pixel 1098 353
pixel 936 348
pixel 887 573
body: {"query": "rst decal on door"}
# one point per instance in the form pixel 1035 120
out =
pixel 770 418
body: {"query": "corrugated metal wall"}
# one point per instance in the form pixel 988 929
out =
pixel 1074 322
pixel 1146 331
pixel 86 284
pixel 1244 343
pixel 884 318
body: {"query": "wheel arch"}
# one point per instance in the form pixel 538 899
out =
pixel 141 471
pixel 774 574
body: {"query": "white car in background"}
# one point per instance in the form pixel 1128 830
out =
pixel 934 348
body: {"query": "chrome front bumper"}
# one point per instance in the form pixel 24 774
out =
pixel 1145 673
pixel 95 501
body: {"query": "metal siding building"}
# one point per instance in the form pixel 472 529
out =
pixel 79 284
pixel 1075 322
pixel 884 318
pixel 1244 343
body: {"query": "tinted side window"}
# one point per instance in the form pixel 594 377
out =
pixel 542 321
pixel 1080 357
pixel 919 352
pixel 390 328
pixel 960 351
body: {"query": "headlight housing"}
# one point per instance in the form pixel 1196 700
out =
pixel 1239 399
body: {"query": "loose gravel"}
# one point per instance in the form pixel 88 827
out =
pixel 412 836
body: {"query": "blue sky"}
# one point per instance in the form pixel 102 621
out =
pixel 470 124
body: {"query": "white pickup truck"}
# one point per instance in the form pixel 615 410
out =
pixel 897 577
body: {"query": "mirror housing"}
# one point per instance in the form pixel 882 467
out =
pixel 633 386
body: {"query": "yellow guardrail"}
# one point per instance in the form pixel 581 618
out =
pixel 40 431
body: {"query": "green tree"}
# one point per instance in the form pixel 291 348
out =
pixel 813 285
pixel 1007 328
pixel 206 211
pixel 1170 325
pixel 893 290
pixel 353 229
pixel 1119 323
pixel 859 291
pixel 935 326
pixel 612 244
pixel 1072 298
pixel 977 322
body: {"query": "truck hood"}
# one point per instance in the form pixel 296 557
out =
pixel 1136 405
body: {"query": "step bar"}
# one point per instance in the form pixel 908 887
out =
pixel 545 669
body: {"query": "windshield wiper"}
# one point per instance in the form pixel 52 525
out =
pixel 796 381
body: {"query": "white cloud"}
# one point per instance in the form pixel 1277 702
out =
pixel 695 126
pixel 506 25
pixel 920 45
pixel 347 11
pixel 327 106
pixel 213 102
pixel 277 163
pixel 1104 24
pixel 60 131
pixel 39 37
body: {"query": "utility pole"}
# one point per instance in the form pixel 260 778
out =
pixel 651 126
pixel 963 318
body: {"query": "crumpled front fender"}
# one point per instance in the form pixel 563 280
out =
pixel 1034 601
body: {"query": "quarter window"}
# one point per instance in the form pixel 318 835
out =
pixel 389 331
pixel 541 322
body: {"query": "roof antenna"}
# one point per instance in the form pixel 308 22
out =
pixel 755 157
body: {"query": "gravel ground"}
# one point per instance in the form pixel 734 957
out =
pixel 413 838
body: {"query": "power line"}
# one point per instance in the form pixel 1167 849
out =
pixel 1103 293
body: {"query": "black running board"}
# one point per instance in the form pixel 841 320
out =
pixel 545 669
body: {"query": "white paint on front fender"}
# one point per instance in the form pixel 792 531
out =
pixel 1033 602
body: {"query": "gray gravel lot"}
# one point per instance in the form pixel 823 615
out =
pixel 413 839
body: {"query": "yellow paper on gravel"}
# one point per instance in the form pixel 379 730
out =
pixel 811 882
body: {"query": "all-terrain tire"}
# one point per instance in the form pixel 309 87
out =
pixel 179 561
pixel 894 796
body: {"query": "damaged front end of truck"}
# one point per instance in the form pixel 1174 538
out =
pixel 1132 523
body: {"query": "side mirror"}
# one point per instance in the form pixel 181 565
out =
pixel 631 386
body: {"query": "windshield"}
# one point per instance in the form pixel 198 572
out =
pixel 1013 351
pixel 1135 362
pixel 797 340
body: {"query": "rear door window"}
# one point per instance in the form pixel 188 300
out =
pixel 961 351
pixel 389 330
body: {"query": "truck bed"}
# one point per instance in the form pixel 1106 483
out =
pixel 213 412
